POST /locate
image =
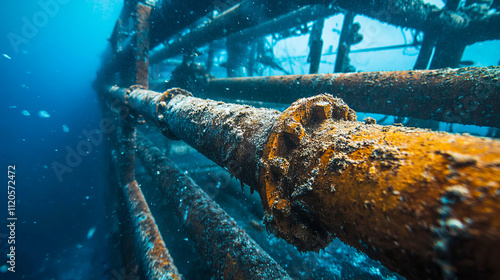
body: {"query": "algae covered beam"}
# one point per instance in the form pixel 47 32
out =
pixel 465 95
pixel 226 247
pixel 408 197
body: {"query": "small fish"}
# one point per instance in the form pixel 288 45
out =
pixel 26 113
pixel 44 114
pixel 65 128
pixel 91 232
pixel 13 107
pixel 6 56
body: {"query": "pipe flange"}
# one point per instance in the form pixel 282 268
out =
pixel 162 105
pixel 286 216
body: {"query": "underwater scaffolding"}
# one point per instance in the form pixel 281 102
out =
pixel 425 204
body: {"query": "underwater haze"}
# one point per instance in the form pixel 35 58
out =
pixel 50 51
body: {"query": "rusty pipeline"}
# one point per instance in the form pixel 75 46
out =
pixel 226 247
pixel 464 95
pixel 425 204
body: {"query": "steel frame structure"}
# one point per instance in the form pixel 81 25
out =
pixel 425 204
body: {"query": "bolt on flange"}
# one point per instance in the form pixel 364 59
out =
pixel 286 216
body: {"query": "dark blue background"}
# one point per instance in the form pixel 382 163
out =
pixel 56 67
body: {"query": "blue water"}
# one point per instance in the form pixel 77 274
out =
pixel 49 53
pixel 47 71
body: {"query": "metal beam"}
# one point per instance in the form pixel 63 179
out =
pixel 147 240
pixel 408 13
pixel 136 218
pixel 171 16
pixel 226 247
pixel 408 197
pixel 295 18
pixel 426 17
pixel 315 46
pixel 449 48
pixel 157 262
pixel 342 61
pixel 464 95
pixel 244 15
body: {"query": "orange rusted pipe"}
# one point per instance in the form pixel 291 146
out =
pixel 425 204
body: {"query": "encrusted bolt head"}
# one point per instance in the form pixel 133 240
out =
pixel 279 166
pixel 322 111
pixel 294 132
pixel 281 206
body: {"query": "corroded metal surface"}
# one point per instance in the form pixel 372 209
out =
pixel 342 61
pixel 225 246
pixel 408 197
pixel 464 95
pixel 233 136
pixel 142 44
pixel 150 248
pixel 158 263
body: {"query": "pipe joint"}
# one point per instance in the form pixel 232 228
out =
pixel 286 215
pixel 162 105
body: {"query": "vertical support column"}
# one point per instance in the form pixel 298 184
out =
pixel 448 52
pixel 142 25
pixel 315 46
pixel 123 157
pixel 449 47
pixel 342 61
pixel 426 49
